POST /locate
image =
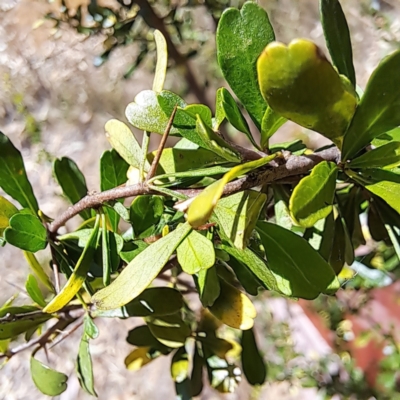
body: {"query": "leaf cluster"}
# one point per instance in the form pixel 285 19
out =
pixel 208 216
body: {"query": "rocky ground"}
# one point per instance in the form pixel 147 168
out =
pixel 48 77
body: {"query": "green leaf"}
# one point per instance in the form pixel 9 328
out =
pixel 105 251
pixel 26 232
pixel 84 367
pixel 145 212
pixel 78 276
pixel 241 37
pixel 387 156
pixel 13 327
pixel 384 184
pixel 246 278
pixel 337 38
pixel 135 278
pixel 113 169
pixel 226 107
pixel 210 140
pixel 146 114
pixel 162 61
pixel 13 178
pixel 233 308
pixel 7 210
pixel 312 198
pixel 387 137
pixel 32 288
pixel 155 302
pixel 201 208
pixel 281 207
pixel 124 142
pixel 195 253
pixel 198 109
pixel 90 327
pixel 38 270
pixel 47 380
pixel 72 182
pixel 196 377
pixel 270 123
pixel 207 284
pixel 300 84
pixel 377 112
pixel 305 273
pixel 238 215
pixel 131 250
pixel 258 267
pixel 175 161
pixel 170 330
pixel 253 364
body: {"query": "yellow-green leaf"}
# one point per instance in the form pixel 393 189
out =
pixel 387 156
pixel 79 274
pixel 299 83
pixel 385 184
pixel 233 307
pixel 203 205
pixel 162 61
pixel 7 210
pixel 238 215
pixel 38 270
pixel 312 198
pixel 47 380
pixel 124 142
pixel 195 253
pixel 141 271
pixel 138 358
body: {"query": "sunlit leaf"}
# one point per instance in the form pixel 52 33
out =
pixel 47 380
pixel 7 210
pixel 300 84
pixel 78 276
pixel 124 142
pixel 377 112
pixel 238 215
pixel 305 273
pixel 38 270
pixel 233 307
pixel 195 253
pixel 135 278
pixel 201 208
pixel 170 330
pixel 226 107
pixel 387 156
pixel 312 198
pixel 207 284
pixel 241 37
pixel 162 61
pixel 32 288
pixel 26 232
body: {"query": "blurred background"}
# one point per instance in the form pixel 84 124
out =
pixel 66 67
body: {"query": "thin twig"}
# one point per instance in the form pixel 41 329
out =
pixel 64 334
pixel 156 160
pixel 41 340
pixel 56 270
pixel 292 166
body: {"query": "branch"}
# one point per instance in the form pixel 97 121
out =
pixel 292 166
pixel 43 339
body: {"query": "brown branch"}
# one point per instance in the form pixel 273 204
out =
pixel 42 340
pixel 156 160
pixel 292 165
pixel 154 21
